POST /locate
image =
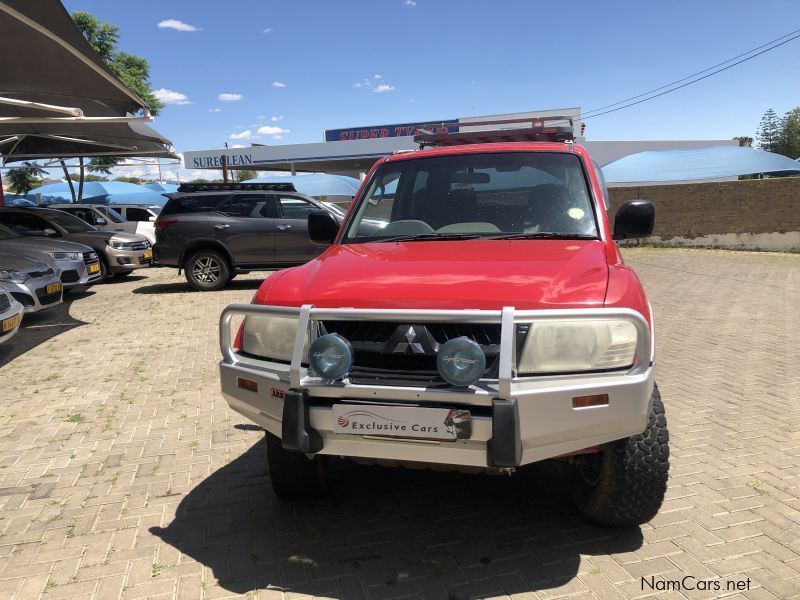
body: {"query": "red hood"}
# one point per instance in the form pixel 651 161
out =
pixel 480 274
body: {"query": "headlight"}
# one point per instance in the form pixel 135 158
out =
pixel 330 357
pixel 116 245
pixel 14 276
pixel 563 346
pixel 270 336
pixel 65 255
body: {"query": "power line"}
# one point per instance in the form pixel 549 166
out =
pixel 673 89
pixel 693 75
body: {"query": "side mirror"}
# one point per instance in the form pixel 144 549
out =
pixel 152 219
pixel 635 219
pixel 49 232
pixel 322 227
pixel 100 221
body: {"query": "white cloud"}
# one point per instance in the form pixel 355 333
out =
pixel 377 76
pixel 177 25
pixel 383 87
pixel 242 135
pixel 229 97
pixel 214 109
pixel 261 117
pixel 267 30
pixel 276 119
pixel 411 3
pixel 277 137
pixel 278 84
pixel 170 97
pixel 272 130
pixel 237 146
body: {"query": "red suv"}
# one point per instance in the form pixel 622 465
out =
pixel 473 312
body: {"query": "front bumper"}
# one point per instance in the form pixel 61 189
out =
pixel 123 261
pixel 515 420
pixel 75 273
pixel 12 315
pixel 33 295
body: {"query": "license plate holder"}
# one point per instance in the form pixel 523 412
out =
pixel 443 424
pixel 52 288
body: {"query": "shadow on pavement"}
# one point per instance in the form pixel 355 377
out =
pixel 181 287
pixel 42 326
pixel 396 531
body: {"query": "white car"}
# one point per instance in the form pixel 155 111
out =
pixel 107 218
pixel 10 315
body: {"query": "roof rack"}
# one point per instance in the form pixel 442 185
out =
pixel 224 187
pixel 537 131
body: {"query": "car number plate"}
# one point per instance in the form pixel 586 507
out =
pixel 402 421
pixel 11 323
pixel 94 268
pixel 52 288
pixel 148 254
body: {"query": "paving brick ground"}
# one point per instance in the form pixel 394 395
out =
pixel 124 474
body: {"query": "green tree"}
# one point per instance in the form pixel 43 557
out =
pixel 789 144
pixel 22 179
pixel 243 174
pixel 132 70
pixel 769 132
pixel 744 141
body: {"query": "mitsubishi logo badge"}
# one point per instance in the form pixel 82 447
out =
pixel 408 339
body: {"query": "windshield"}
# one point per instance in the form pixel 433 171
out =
pixel 512 194
pixel 7 234
pixel 111 214
pixel 68 222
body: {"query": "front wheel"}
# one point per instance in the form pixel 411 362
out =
pixel 207 270
pixel 624 485
pixel 294 476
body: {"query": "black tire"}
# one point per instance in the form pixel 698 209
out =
pixel 105 270
pixel 626 483
pixel 207 270
pixel 294 476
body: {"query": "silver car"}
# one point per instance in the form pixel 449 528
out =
pixel 10 315
pixel 76 264
pixel 106 218
pixel 32 283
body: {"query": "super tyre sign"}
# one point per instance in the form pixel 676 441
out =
pixel 384 131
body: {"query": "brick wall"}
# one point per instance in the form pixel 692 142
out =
pixel 748 209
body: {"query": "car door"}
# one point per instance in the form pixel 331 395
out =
pixel 246 226
pixel 292 244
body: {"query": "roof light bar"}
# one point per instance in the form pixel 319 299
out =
pixel 539 129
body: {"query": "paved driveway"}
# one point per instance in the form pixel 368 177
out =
pixel 124 473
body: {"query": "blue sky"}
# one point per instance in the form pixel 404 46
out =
pixel 312 65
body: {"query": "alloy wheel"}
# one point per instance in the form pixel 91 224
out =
pixel 206 270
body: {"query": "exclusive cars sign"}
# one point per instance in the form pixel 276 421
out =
pixel 402 421
pixel 396 130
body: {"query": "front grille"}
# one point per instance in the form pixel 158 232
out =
pixel 143 245
pixel 376 360
pixel 45 298
pixel 5 303
pixel 90 258
pixel 69 276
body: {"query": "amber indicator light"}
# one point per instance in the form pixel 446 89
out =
pixel 587 401
pixel 247 384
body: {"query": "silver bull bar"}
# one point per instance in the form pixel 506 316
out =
pixel 508 318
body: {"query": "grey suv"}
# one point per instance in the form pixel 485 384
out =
pixel 214 231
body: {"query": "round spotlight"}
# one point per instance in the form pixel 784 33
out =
pixel 330 357
pixel 461 362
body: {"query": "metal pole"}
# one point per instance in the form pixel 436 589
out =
pixel 158 162
pixel 224 161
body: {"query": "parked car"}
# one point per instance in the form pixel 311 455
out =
pixel 213 231
pixel 492 323
pixel 141 213
pixel 119 253
pixel 10 315
pixel 32 283
pixel 106 218
pixel 76 264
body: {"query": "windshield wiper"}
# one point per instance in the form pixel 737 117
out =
pixel 542 235
pixel 430 236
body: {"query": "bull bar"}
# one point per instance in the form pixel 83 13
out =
pixel 505 442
